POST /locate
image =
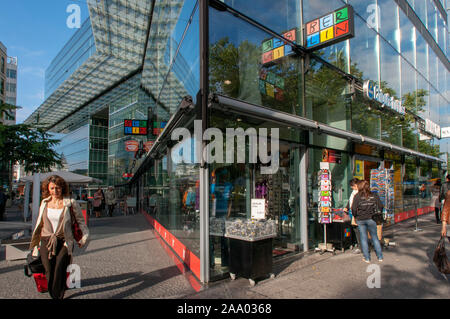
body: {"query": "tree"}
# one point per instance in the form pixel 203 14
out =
pixel 28 146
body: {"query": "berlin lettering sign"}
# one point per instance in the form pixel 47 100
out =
pixel 374 92
pixel 329 29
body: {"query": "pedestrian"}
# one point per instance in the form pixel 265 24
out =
pixel 365 205
pixel 445 214
pixel 353 185
pixel 423 190
pixel 98 201
pixel 54 233
pixel 103 201
pixel 3 199
pixel 445 188
pixel 436 199
pixel 110 198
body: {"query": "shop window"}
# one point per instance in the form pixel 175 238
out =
pixel 341 173
pixel 248 64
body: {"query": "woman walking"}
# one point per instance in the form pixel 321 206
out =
pixel 54 231
pixel 110 199
pixel 98 201
pixel 365 205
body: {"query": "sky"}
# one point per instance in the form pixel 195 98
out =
pixel 35 31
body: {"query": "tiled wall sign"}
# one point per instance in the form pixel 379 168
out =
pixel 329 29
pixel 274 48
pixel 135 127
pixel 271 84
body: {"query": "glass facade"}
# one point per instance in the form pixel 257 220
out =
pixel 253 66
pixel 74 150
pixel 77 50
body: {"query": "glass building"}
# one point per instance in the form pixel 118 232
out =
pixel 76 51
pixel 374 100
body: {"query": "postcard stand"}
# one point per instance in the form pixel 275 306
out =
pixel 325 210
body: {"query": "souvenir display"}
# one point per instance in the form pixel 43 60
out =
pixel 382 183
pixel 325 196
pixel 216 226
pixel 250 230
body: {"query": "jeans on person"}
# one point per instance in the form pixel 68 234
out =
pixel 371 226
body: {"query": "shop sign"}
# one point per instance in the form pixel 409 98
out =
pixel 135 127
pixel 329 29
pixel 131 146
pixel 432 128
pixel 258 208
pixel 158 127
pixel 274 48
pixel 445 132
pixel 271 84
pixel 374 92
pixel 331 156
pixel 359 169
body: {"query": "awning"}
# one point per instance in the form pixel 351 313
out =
pixel 69 177
pixel 228 104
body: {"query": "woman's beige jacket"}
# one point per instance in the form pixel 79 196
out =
pixel 67 224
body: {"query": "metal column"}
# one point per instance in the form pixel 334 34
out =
pixel 203 112
pixel 304 153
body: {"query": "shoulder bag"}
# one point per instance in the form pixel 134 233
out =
pixel 34 265
pixel 76 230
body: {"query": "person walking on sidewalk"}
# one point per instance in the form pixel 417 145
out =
pixel 436 190
pixel 110 198
pixel 353 185
pixel 98 201
pixel 54 233
pixel 445 214
pixel 365 205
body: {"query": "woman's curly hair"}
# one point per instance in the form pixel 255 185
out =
pixel 58 180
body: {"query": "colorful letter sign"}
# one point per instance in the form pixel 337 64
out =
pixel 329 29
pixel 274 48
pixel 135 127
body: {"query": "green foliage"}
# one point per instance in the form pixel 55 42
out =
pixel 30 147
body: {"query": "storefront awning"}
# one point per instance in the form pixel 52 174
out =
pixel 224 103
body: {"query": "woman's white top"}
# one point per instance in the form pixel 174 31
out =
pixel 54 216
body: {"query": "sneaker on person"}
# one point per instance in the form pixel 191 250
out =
pixel 380 260
pixel 366 261
pixel 357 251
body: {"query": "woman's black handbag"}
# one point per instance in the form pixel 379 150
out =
pixel 440 257
pixel 34 265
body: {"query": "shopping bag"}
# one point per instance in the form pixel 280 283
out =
pixel 440 257
pixel 41 282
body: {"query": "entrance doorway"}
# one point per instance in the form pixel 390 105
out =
pixel 282 193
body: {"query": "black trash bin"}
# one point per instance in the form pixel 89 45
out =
pixel 251 259
pixel 340 234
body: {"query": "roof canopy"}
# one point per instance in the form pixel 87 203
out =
pixel 69 177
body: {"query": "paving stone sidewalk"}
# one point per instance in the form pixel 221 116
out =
pixel 125 260
pixel 406 272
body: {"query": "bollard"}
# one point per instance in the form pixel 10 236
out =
pixel 417 219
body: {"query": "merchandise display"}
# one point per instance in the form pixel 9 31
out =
pixel 382 183
pixel 216 226
pixel 250 230
pixel 325 198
